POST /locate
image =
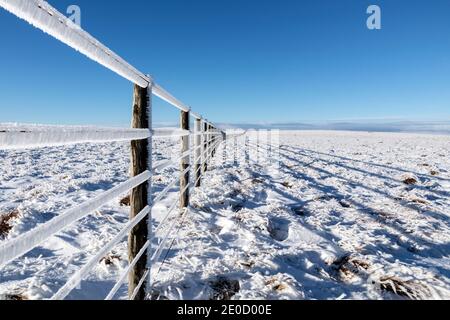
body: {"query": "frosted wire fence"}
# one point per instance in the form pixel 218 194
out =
pixel 43 16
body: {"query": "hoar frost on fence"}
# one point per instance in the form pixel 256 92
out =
pixel 27 136
pixel 43 16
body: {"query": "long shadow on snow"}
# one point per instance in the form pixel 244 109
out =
pixel 312 281
pixel 434 249
pixel 300 152
pixel 384 166
pixel 434 214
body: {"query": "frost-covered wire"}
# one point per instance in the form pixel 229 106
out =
pixel 171 244
pixel 161 165
pixel 158 250
pixel 141 282
pixel 156 255
pixel 123 276
pixel 166 190
pixel 32 136
pixel 17 247
pixel 170 133
pixel 43 16
pixel 163 94
pixel 84 271
pixel 172 207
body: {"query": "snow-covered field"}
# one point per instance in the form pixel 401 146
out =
pixel 343 215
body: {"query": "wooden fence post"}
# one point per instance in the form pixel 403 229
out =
pixel 224 148
pixel 184 179
pixel 205 145
pixel 209 144
pixel 214 141
pixel 140 160
pixel 198 152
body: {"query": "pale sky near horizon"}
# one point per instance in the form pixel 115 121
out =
pixel 236 61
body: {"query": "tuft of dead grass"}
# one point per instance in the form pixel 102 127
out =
pixel 16 297
pixel 403 288
pixel 257 181
pixel 224 288
pixel 247 264
pixel 111 259
pixel 280 287
pixel 410 181
pixel 287 184
pixel 6 221
pixel 348 267
pixel 345 203
pixel 277 284
pixel 125 202
pixel 419 201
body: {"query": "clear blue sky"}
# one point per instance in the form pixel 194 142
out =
pixel 236 61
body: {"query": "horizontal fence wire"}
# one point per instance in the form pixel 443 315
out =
pixel 160 247
pixel 169 187
pixel 170 132
pixel 139 286
pixel 164 95
pixel 17 247
pixel 38 136
pixel 43 16
pixel 82 273
pixel 76 279
pixel 163 164
pixel 168 214
pixel 124 274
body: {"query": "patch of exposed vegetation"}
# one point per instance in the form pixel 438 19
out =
pixel 224 288
pixel 287 184
pixel 403 288
pixel 419 201
pixel 344 203
pixel 410 181
pixel 347 266
pixel 125 202
pixel 111 259
pixel 6 222
pixel 15 297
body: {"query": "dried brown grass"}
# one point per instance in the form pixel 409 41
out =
pixel 125 202
pixel 6 221
pixel 410 181
pixel 15 297
pixel 404 288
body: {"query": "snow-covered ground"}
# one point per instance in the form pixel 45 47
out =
pixel 343 215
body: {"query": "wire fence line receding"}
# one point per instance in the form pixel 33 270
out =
pixel 208 138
